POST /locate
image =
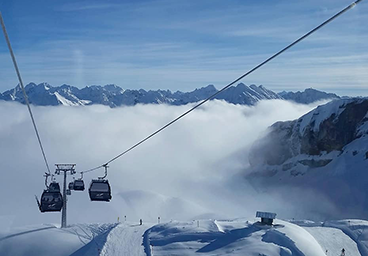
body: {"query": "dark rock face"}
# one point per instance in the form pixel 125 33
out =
pixel 286 139
pixel 335 132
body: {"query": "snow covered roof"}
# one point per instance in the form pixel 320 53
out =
pixel 268 215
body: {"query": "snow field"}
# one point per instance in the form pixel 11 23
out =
pixel 238 237
pixel 333 240
pixel 46 240
pixel 203 237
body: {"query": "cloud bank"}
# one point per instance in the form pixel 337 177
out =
pixel 184 172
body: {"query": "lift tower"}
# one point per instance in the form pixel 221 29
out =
pixel 64 168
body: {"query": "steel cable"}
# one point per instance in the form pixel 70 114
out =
pixel 24 94
pixel 230 84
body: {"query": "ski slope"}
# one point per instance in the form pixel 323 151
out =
pixel 197 237
pixel 125 239
pixel 333 240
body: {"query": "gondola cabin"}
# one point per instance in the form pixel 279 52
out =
pixel 51 201
pixel 100 190
pixel 78 185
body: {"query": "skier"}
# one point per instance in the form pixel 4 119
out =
pixel 140 223
pixel 343 252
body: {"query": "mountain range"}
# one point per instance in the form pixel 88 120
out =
pixel 44 94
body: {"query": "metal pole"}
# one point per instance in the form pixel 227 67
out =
pixel 63 213
pixel 64 168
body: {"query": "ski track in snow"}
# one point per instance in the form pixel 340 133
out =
pixel 125 239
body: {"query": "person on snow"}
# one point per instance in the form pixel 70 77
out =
pixel 343 252
pixel 140 222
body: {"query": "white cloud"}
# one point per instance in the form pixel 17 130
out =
pixel 184 171
pixel 86 6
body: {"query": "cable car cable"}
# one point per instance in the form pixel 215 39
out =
pixel 230 84
pixel 24 94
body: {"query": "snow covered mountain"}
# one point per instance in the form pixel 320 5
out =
pixel 307 96
pixel 112 95
pixel 324 151
pixel 45 95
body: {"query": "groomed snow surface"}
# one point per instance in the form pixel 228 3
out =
pixel 197 237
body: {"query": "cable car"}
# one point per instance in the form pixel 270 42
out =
pixel 78 185
pixel 100 190
pixel 71 185
pixel 51 198
pixel 51 201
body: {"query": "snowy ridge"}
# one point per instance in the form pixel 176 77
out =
pixel 322 132
pixel 112 95
pixel 314 118
pixel 307 96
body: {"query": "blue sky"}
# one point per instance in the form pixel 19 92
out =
pixel 182 45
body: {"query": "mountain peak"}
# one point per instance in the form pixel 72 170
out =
pixel 210 87
pixel 113 88
pixel 309 95
pixel 207 88
pixel 242 86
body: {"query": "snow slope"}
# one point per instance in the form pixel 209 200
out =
pixel 197 237
pixel 236 237
pixel 333 240
pixel 350 234
pixel 76 240
pixel 357 230
pixel 126 239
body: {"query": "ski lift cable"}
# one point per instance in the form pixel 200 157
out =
pixel 230 84
pixel 25 95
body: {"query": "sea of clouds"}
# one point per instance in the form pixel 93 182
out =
pixel 185 172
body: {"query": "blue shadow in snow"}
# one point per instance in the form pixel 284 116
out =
pixel 276 237
pixel 25 232
pixel 229 238
pixel 216 240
